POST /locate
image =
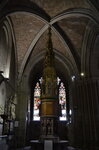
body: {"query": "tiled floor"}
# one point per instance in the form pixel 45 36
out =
pixel 4 146
pixel 25 148
pixel 71 148
pixel 28 148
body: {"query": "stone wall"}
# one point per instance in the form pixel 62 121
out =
pixel 85 119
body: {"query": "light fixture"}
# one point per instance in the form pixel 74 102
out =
pixel 82 74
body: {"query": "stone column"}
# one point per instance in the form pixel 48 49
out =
pixel 85 121
pixel 21 113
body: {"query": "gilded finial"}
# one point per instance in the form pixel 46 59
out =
pixel 49 56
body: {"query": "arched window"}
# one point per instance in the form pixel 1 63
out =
pixel 37 101
pixel 37 92
pixel 62 100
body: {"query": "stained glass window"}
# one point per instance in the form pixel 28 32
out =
pixel 37 92
pixel 37 101
pixel 62 101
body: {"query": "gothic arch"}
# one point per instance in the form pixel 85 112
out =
pixel 88 48
pixel 36 11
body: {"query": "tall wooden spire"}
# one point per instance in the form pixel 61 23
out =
pixel 49 98
pixel 49 57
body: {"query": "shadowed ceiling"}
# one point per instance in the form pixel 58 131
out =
pixel 68 19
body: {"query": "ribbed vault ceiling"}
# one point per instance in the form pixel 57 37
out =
pixel 68 19
pixel 55 7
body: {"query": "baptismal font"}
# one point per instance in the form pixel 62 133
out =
pixel 49 108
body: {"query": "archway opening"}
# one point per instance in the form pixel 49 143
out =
pixel 61 98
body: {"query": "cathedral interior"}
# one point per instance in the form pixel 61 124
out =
pixel 49 74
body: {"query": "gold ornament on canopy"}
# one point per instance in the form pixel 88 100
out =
pixel 49 95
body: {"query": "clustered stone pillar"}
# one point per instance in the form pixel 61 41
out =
pixel 85 121
pixel 21 112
